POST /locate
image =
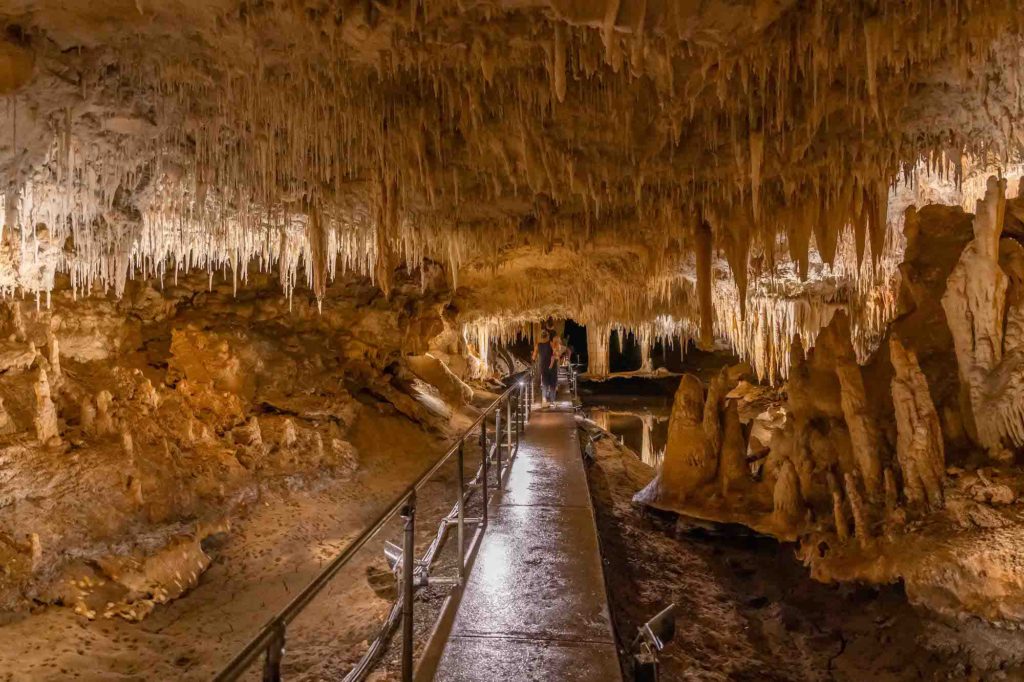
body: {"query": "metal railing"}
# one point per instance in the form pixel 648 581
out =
pixel 511 409
pixel 570 374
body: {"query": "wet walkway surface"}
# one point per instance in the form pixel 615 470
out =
pixel 535 605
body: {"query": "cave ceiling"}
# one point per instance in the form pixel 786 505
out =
pixel 577 149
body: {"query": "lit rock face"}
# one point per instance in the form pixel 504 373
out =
pixel 983 304
pixel 715 170
pixel 699 160
pixel 900 469
pixel 172 411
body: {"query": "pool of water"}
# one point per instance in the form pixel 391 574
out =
pixel 638 420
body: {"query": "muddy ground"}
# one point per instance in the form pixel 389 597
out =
pixel 749 611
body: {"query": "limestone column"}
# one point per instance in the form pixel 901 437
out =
pixel 598 337
pixel 646 365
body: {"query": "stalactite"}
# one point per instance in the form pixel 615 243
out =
pixel 704 285
pixel 171 162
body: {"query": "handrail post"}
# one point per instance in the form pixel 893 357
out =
pixel 275 654
pixel 462 513
pixel 408 563
pixel 483 467
pixel 497 439
pixel 521 417
pixel 518 415
pixel 508 429
pixel 526 396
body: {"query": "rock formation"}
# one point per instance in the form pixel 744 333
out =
pixel 919 446
pixel 45 420
pixel 249 233
pixel 200 399
pixel 985 319
pixel 902 467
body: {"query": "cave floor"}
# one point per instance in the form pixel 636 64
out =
pixel 748 609
pixel 535 605
pixel 283 542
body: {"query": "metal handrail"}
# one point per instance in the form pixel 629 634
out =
pixel 271 637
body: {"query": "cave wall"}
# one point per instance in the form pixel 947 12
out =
pixel 132 429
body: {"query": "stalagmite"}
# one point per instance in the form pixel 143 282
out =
pixel 646 448
pixel 988 350
pixel 838 513
pixel 128 447
pixel 104 418
pixel 35 551
pixel 7 425
pixel 732 465
pixel 857 507
pixel 53 355
pixel 691 454
pixel 288 434
pixel 864 434
pixel 45 419
pixel 787 500
pixel 919 443
pixel 87 416
pixel 894 516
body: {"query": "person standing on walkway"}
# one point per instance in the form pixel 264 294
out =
pixel 544 356
pixel 556 347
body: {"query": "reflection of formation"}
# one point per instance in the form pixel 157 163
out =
pixel 625 424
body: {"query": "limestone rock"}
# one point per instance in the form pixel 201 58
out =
pixel 788 501
pixel 45 421
pixel 919 443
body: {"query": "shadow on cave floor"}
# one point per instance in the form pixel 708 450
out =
pixel 748 609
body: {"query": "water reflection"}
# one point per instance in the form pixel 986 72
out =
pixel 642 428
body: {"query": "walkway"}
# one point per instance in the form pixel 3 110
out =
pixel 535 606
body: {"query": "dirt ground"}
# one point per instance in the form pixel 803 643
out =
pixel 749 611
pixel 288 535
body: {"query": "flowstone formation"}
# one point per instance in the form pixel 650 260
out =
pixel 897 470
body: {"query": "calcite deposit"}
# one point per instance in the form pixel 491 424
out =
pixel 897 470
pixel 158 418
pixel 739 179
pixel 235 233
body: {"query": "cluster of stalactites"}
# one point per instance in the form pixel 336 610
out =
pixel 481 334
pixel 666 330
pixel 99 248
pixel 743 127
